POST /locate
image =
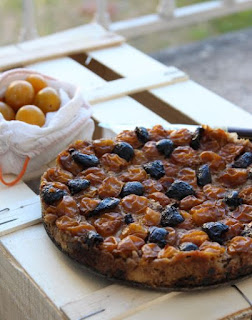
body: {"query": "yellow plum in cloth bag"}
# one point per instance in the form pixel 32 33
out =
pixel 26 147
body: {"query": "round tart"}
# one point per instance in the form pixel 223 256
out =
pixel 161 208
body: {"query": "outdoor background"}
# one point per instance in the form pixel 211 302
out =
pixel 55 15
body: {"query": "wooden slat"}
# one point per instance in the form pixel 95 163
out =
pixel 68 70
pixel 80 39
pixel 194 101
pixel 20 297
pixel 125 111
pixel 246 288
pixel 19 207
pixel 130 85
pixel 59 277
pixel 96 90
pixel 109 303
pixel 25 213
pixel 10 196
pixel 203 106
pixel 207 305
pixel 111 112
pixel 128 61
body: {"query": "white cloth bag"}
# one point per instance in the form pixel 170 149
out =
pixel 19 140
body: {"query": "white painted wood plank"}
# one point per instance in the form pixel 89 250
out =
pixel 207 305
pixel 96 89
pixel 114 112
pixel 125 111
pixel 25 213
pixel 130 85
pixel 11 49
pixel 11 196
pixel 110 302
pixel 20 297
pixel 74 40
pixel 246 287
pixel 128 61
pixel 60 278
pixel 203 106
pixel 198 103
pixel 68 70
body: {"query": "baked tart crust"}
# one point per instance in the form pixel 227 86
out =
pixel 168 209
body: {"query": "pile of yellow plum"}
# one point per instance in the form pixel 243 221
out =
pixel 29 100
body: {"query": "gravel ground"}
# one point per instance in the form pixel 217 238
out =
pixel 222 64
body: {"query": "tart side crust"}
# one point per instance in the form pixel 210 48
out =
pixel 191 272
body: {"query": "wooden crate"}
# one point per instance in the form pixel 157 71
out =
pixel 37 281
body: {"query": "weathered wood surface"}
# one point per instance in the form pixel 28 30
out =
pixel 188 98
pixel 114 111
pixel 23 214
pixel 21 298
pixel 207 305
pixel 79 39
pixel 130 85
pixel 134 303
pixel 37 281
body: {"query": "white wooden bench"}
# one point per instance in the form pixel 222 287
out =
pixel 37 281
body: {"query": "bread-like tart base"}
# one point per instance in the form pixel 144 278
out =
pixel 161 208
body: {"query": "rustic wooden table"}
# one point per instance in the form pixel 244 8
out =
pixel 37 281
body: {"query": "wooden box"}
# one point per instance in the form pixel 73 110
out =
pixel 37 281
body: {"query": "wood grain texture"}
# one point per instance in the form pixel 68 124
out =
pixel 25 213
pixel 203 106
pixel 80 39
pixel 41 282
pixel 20 297
pixel 246 288
pixel 9 196
pixel 109 303
pixel 125 111
pixel 130 85
pixel 60 278
pixel 113 112
pixel 128 61
pixel 189 98
pixel 68 70
pixel 207 305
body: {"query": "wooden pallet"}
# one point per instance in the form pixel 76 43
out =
pixel 79 39
pixel 37 281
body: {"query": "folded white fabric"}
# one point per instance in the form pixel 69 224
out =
pixel 19 140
